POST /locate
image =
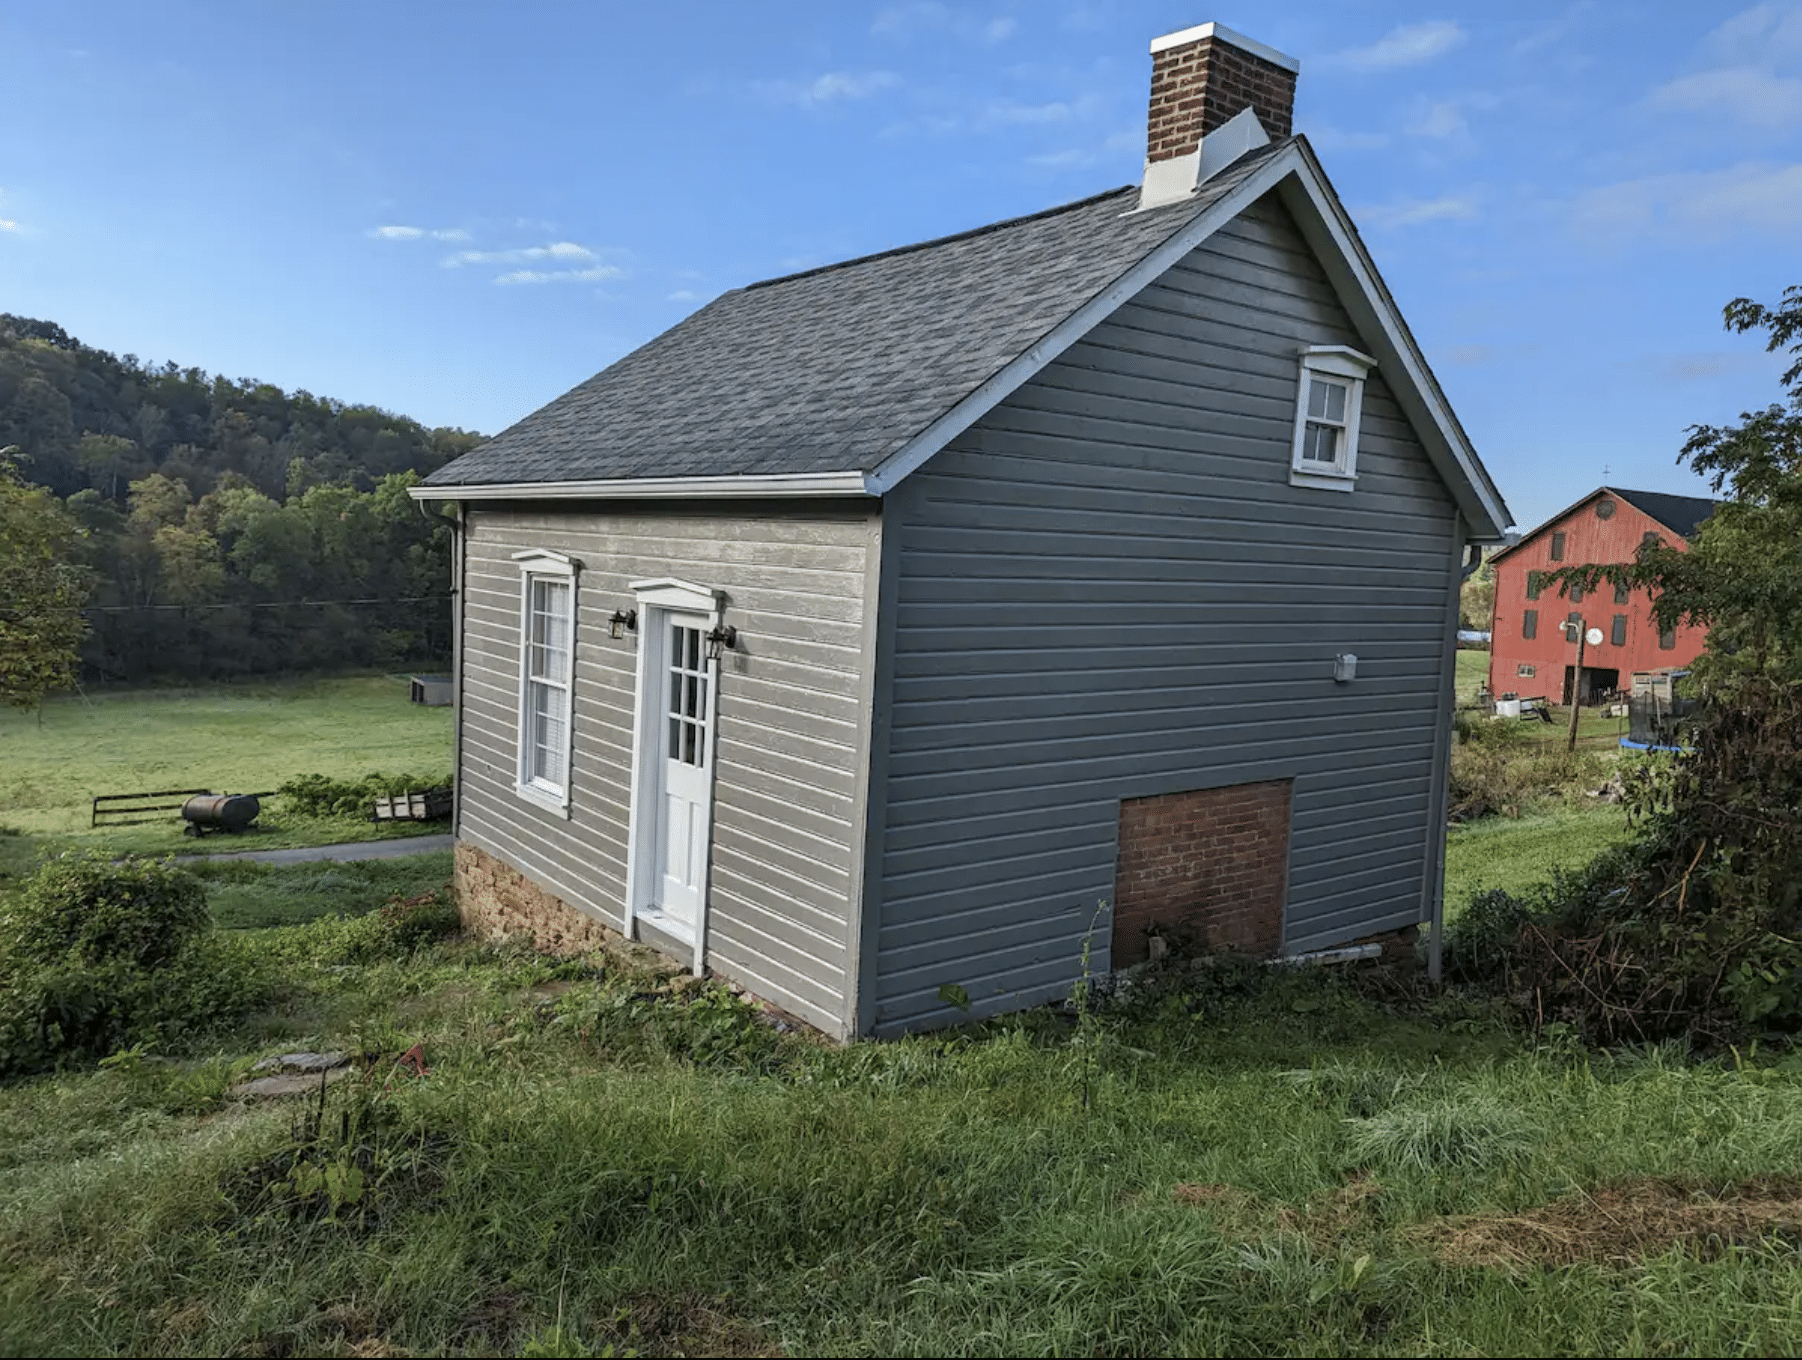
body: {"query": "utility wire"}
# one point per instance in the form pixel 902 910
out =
pixel 248 604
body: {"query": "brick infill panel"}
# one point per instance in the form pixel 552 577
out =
pixel 1206 868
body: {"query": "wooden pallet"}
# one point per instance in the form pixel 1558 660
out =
pixel 426 805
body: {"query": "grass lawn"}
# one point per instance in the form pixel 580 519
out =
pixel 245 895
pixel 242 738
pixel 1516 853
pixel 603 1161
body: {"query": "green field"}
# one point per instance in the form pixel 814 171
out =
pixel 245 738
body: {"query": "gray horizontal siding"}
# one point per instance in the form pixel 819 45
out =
pixel 1108 589
pixel 791 724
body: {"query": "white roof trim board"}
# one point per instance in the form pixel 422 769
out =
pixel 657 488
pixel 1297 176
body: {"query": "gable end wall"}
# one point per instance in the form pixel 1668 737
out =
pixel 1107 589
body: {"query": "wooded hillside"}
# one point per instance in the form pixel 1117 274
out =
pixel 231 527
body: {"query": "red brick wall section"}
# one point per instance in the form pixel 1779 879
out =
pixel 1209 868
pixel 496 900
pixel 1197 87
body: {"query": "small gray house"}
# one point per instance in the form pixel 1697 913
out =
pixel 906 622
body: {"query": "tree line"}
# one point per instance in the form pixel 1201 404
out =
pixel 201 526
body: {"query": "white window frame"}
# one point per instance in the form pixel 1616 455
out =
pixel 1339 364
pixel 540 564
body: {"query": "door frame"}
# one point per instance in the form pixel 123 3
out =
pixel 656 601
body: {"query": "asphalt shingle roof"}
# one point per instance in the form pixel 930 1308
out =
pixel 1682 514
pixel 835 369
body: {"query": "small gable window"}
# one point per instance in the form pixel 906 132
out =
pixel 1327 410
pixel 1558 546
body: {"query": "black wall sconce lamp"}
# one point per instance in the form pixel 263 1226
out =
pixel 623 621
pixel 724 637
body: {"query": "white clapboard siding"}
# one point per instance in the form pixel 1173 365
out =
pixel 791 737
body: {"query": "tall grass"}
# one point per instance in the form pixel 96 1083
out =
pixel 598 1160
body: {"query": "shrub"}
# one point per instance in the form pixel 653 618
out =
pixel 318 795
pixel 137 912
pixel 1479 942
pixel 95 956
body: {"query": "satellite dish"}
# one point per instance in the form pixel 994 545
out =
pixel 1593 637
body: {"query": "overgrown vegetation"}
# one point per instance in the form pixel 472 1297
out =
pixel 536 1156
pixel 1503 767
pixel 1693 928
pixel 97 956
pixel 318 795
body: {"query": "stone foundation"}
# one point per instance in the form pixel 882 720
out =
pixel 496 900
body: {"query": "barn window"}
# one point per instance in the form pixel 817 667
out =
pixel 547 637
pixel 1328 405
pixel 1525 671
pixel 1667 640
pixel 1529 624
pixel 1620 594
pixel 1558 546
pixel 1618 636
pixel 1576 594
pixel 1532 585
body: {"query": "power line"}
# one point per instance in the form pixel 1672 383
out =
pixel 247 604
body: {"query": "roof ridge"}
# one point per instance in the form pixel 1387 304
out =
pixel 938 240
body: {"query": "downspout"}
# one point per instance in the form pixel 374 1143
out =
pixel 1434 887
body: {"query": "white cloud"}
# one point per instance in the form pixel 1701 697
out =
pixel 1701 365
pixel 1441 120
pixel 1413 212
pixel 557 250
pixel 1744 92
pixel 594 275
pixel 1337 139
pixel 930 16
pixel 1404 45
pixel 1693 207
pixel 1762 33
pixel 419 233
pixel 1469 356
pixel 684 295
pixel 827 89
pixel 8 224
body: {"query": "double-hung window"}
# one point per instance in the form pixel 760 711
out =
pixel 547 652
pixel 1327 410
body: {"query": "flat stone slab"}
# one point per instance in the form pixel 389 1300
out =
pixel 302 1062
pixel 291 1084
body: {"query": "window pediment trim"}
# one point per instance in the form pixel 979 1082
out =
pixel 667 592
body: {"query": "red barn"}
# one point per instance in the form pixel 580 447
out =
pixel 1529 652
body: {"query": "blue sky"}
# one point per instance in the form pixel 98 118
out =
pixel 457 211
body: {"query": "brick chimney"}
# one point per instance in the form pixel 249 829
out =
pixel 1215 94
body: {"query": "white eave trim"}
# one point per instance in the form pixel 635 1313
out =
pixel 657 488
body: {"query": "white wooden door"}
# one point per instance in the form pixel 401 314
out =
pixel 685 797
